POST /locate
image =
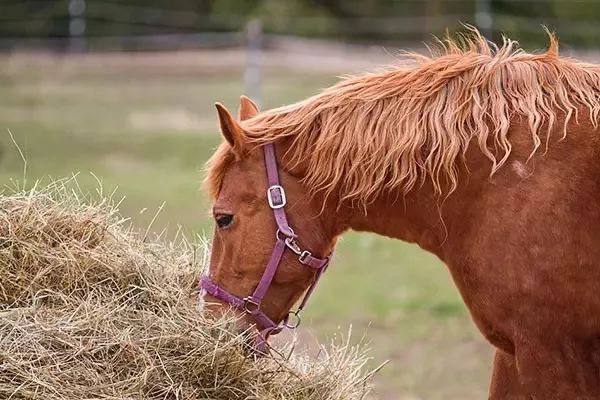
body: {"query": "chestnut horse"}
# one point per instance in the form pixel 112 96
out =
pixel 488 157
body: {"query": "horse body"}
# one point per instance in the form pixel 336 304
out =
pixel 412 162
pixel 523 243
pixel 523 249
pixel 530 270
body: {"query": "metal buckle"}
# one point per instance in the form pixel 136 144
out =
pixel 296 322
pixel 250 301
pixel 304 255
pixel 283 200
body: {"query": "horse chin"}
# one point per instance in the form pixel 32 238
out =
pixel 255 344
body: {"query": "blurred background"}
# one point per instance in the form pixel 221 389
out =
pixel 122 91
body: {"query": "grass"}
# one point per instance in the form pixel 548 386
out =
pixel 146 132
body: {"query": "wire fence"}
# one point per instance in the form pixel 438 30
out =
pixel 113 25
pixel 80 25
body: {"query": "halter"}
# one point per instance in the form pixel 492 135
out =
pixel 285 238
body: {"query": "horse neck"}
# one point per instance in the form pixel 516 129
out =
pixel 420 217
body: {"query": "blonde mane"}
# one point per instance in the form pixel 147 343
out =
pixel 392 130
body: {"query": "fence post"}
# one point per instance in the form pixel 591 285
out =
pixel 252 72
pixel 77 25
pixel 483 18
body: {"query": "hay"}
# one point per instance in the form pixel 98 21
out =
pixel 91 310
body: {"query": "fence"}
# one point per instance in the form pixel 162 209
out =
pixel 78 25
pixel 113 25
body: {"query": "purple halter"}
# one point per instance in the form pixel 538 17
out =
pixel 285 238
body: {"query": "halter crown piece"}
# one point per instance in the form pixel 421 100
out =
pixel 285 238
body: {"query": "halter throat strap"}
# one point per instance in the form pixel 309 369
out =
pixel 285 238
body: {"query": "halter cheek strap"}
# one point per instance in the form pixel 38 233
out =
pixel 285 238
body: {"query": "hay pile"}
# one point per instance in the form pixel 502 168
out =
pixel 90 310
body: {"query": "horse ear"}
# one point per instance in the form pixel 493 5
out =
pixel 230 128
pixel 248 108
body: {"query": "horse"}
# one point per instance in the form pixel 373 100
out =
pixel 485 155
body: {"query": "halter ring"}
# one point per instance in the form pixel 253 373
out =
pixel 250 305
pixel 286 235
pixel 296 321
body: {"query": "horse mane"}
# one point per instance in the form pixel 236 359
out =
pixel 391 130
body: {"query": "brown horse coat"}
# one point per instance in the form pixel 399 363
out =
pixel 488 158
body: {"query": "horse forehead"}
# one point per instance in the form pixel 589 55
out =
pixel 248 167
pixel 245 176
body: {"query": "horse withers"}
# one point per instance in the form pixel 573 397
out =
pixel 487 157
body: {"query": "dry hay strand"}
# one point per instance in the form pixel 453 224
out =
pixel 90 309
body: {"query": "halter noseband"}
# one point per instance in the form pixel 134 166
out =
pixel 285 238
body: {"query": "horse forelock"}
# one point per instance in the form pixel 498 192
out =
pixel 216 167
pixel 394 129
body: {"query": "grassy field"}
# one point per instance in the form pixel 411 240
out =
pixel 145 130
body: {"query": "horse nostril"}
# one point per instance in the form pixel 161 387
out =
pixel 253 343
pixel 245 334
pixel 248 340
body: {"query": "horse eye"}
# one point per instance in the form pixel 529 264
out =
pixel 224 220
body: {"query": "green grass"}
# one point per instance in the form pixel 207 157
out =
pixel 147 134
